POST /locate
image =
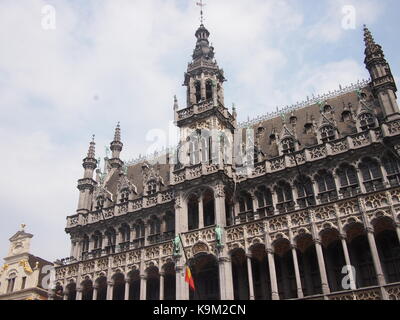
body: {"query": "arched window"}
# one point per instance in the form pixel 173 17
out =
pixel 285 197
pixel 245 206
pixel 367 121
pixel 348 180
pixel 197 87
pixel 372 175
pixel 11 282
pixel 326 186
pixel 305 192
pixel 209 89
pixel 111 237
pixel 125 232
pixel 264 199
pixel 288 146
pixel 392 167
pixel 97 244
pixel 328 133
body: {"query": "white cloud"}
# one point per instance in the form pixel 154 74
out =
pixel 329 27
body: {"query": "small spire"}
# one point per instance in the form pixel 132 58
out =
pixel 176 107
pixel 23 225
pixel 117 135
pixel 368 38
pixel 91 153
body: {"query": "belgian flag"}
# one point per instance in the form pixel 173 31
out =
pixel 189 278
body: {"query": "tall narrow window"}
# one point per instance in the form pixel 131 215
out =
pixel 197 87
pixel 305 192
pixel 285 197
pixel 392 167
pixel 23 284
pixel 209 89
pixel 11 283
pixel 372 175
pixel 326 186
pixel 264 198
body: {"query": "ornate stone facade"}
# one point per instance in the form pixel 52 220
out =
pixel 314 214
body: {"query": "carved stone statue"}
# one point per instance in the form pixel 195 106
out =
pixel 177 245
pixel 218 235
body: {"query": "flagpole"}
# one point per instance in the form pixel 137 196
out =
pixel 187 264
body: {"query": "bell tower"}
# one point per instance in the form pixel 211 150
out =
pixel 205 118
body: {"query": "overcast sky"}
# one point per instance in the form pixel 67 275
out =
pixel 123 60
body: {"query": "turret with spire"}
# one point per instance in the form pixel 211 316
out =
pixel 116 148
pixel 87 184
pixel 382 80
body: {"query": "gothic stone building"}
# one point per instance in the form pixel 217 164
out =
pixel 320 202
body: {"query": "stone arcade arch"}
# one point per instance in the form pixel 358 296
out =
pixel 206 277
pixel 308 265
pixel 260 272
pixel 286 279
pixel 169 284
pixel 388 245
pixel 240 275
pixel 118 286
pixel 87 289
pixel 101 285
pixel 134 285
pixel 360 254
pixel 153 284
pixel 334 258
pixel 71 291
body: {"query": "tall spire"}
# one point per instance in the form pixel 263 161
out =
pixel 116 148
pixel 117 135
pixel 92 149
pixel 382 80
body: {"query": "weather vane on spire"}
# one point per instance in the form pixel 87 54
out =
pixel 201 5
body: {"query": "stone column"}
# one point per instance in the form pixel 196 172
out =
pixel 78 293
pixel 201 212
pixel 225 278
pixel 110 289
pixel 220 215
pixel 375 257
pixel 162 278
pixel 203 87
pixel 182 288
pixel 348 262
pixel 95 290
pixel 322 268
pixel 143 287
pixel 127 288
pixel 272 274
pixel 250 275
pixel 300 293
